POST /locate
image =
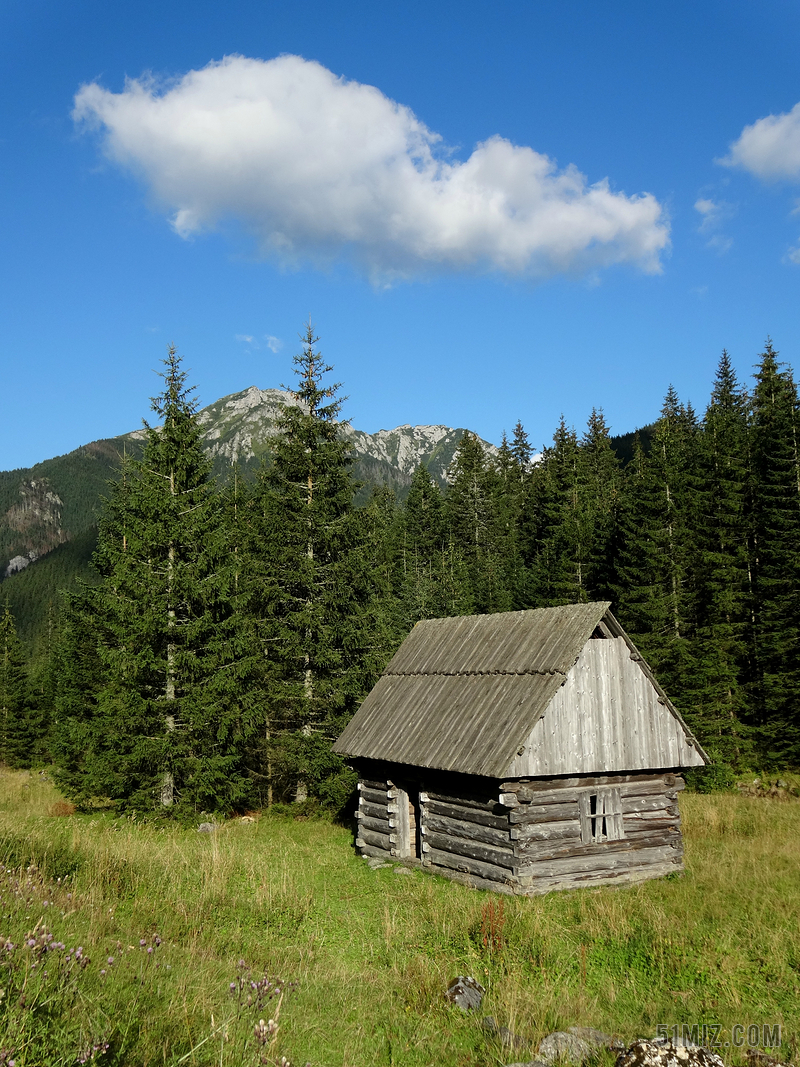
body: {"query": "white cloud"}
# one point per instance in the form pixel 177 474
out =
pixel 712 214
pixel 793 256
pixel 316 167
pixel 274 344
pixel 770 148
pixel 720 243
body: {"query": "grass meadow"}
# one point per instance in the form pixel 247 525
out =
pixel 193 938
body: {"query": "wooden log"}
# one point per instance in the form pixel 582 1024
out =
pixel 549 785
pixel 544 813
pixel 372 837
pixel 473 881
pixel 640 819
pixel 460 846
pixel 367 783
pixel 649 803
pixel 471 830
pixel 652 830
pixel 630 876
pixel 568 865
pixel 374 811
pixel 467 800
pixel 467 865
pixel 381 826
pixel 465 814
pixel 371 850
pixel 668 783
pixel 547 850
pixel 375 796
pixel 550 831
pixel 553 796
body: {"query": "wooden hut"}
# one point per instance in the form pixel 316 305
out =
pixel 522 752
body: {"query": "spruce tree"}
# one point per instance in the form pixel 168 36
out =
pixel 167 722
pixel 776 562
pixel 476 526
pixel 20 722
pixel 724 631
pixel 600 485
pixel 657 563
pixel 432 572
pixel 553 535
pixel 315 586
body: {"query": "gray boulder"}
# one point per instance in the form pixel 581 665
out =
pixel 376 863
pixel 650 1054
pixel 529 1063
pixel 507 1038
pixel 566 1046
pixel 465 992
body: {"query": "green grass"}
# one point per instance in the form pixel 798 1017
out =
pixel 371 952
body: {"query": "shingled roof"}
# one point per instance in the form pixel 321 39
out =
pixel 463 694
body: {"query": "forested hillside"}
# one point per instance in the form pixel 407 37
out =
pixel 233 629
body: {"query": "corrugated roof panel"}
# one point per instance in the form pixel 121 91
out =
pixel 544 639
pixel 467 723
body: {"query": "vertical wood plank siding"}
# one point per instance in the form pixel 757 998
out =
pixel 607 716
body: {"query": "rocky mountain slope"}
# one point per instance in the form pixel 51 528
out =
pixel 55 501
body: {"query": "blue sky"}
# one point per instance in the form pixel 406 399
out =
pixel 449 229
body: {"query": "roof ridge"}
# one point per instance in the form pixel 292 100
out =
pixel 467 674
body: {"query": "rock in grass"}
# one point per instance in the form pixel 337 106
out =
pixel 402 870
pixel 465 992
pixel 206 828
pixel 649 1054
pixel 375 862
pixel 575 1044
pixel 565 1046
pixel 507 1038
pixel 594 1037
pixel 529 1063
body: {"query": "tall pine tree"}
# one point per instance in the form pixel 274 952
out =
pixel 724 634
pixel 168 719
pixel 775 559
pixel 657 575
pixel 22 725
pixel 315 586
pixel 476 526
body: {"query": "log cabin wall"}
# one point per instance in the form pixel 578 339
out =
pixel 468 834
pixel 594 831
pixel 373 836
pixel 523 836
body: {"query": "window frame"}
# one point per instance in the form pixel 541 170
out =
pixel 601 815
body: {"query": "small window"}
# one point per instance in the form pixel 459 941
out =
pixel 601 816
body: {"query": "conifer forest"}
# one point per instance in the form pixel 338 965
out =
pixel 233 628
